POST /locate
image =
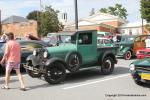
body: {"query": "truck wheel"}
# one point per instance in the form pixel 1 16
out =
pixel 128 55
pixel 32 73
pixel 74 61
pixel 55 73
pixel 107 66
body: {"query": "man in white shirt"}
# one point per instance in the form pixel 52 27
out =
pixel 147 42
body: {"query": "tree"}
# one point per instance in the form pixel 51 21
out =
pixel 145 10
pixel 117 10
pixel 92 12
pixel 103 10
pixel 33 15
pixel 47 20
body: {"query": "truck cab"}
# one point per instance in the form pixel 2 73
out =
pixel 77 50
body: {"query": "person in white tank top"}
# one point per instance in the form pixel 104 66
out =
pixel 147 42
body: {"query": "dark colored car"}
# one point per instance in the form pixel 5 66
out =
pixel 140 71
pixel 27 47
pixel 126 46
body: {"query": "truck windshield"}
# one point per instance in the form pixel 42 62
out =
pixel 66 39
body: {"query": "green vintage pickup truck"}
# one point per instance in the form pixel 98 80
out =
pixel 77 50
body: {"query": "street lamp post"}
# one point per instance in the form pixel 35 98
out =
pixel 76 14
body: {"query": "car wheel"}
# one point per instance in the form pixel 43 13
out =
pixel 32 73
pixel 73 61
pixel 55 73
pixel 107 66
pixel 138 82
pixel 128 55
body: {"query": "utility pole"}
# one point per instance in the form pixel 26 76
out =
pixel 76 14
pixel 0 24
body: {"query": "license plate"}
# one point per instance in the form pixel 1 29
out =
pixel 145 76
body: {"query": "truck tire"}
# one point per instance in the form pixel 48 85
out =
pixel 55 73
pixel 32 73
pixel 128 55
pixel 73 61
pixel 107 66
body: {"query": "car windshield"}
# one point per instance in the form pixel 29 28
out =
pixel 127 39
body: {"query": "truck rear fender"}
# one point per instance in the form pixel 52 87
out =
pixel 107 54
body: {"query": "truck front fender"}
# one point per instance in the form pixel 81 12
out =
pixel 48 62
pixel 33 59
pixel 124 50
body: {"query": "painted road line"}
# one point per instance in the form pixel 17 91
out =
pixel 99 81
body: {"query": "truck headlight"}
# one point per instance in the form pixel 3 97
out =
pixel 132 67
pixel 35 53
pixel 45 54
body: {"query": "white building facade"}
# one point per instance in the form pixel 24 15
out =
pixel 131 28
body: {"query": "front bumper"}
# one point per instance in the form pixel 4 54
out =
pixel 137 76
pixel 35 69
pixel 141 56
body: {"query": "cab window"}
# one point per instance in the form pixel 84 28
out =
pixel 85 38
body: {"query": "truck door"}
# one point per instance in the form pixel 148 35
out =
pixel 87 47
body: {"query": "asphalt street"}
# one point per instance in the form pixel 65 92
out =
pixel 84 85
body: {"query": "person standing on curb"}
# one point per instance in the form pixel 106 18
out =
pixel 12 59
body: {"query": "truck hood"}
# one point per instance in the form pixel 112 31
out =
pixel 125 43
pixel 62 48
pixel 142 62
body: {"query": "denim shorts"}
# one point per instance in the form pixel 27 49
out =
pixel 12 65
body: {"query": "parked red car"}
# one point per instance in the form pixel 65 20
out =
pixel 143 53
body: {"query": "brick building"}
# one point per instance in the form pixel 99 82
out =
pixel 19 26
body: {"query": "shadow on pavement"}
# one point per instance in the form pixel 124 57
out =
pixel 11 81
pixel 92 74
pixel 145 85
pixel 83 76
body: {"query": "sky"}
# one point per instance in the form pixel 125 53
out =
pixel 23 7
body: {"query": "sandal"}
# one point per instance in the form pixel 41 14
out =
pixel 4 87
pixel 23 89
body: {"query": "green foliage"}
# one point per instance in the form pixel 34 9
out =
pixel 47 20
pixel 117 10
pixel 33 15
pixel 147 26
pixel 145 10
pixel 103 10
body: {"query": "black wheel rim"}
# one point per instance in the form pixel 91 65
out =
pixel 74 61
pixel 128 55
pixel 107 65
pixel 55 72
